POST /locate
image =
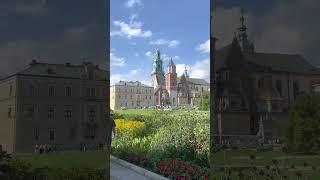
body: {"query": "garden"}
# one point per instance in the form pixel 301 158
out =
pixel 172 143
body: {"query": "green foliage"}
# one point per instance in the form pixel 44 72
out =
pixel 167 134
pixel 205 101
pixel 304 132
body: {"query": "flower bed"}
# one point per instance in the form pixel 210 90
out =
pixel 166 136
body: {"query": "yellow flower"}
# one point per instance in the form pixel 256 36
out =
pixel 125 125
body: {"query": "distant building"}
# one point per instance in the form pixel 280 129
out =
pixel 130 95
pixel 169 89
pixel 57 104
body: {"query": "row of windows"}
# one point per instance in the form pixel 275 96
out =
pixel 29 111
pixel 132 90
pixel 89 92
pixel 52 134
pixel 132 104
pixel 131 97
pixel 267 82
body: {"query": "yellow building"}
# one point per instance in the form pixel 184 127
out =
pixel 57 104
pixel 130 95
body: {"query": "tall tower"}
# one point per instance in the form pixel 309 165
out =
pixel 171 82
pixel 246 45
pixel 157 74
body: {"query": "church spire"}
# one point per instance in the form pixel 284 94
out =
pixel 246 45
pixel 185 73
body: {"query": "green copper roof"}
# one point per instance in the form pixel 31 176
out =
pixel 170 62
pixel 64 70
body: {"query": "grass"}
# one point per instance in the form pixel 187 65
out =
pixel 136 111
pixel 264 159
pixel 67 160
pixel 241 157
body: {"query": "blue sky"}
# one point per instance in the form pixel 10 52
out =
pixel 179 29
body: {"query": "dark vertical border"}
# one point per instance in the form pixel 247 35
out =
pixel 107 59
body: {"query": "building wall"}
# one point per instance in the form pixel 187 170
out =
pixel 131 96
pixel 69 132
pixel 7 116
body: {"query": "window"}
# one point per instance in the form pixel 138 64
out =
pixel 119 96
pixel 51 91
pixel 260 83
pixel 51 134
pixel 279 87
pixel 10 90
pixel 173 100
pixel 104 92
pixel 31 90
pixel 149 97
pixel 36 134
pixel 68 91
pixel 131 97
pixel 132 103
pixel 93 92
pixel 67 111
pixel 125 96
pixel 196 88
pixel 146 97
pixel 9 112
pixel 91 75
pixel 51 111
pixel 28 111
pixel 88 92
pixel 91 113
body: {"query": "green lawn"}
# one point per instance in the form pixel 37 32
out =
pixel 136 111
pixel 67 160
pixel 242 157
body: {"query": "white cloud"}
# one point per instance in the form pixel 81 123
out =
pixel 169 43
pixel 117 61
pixel 180 69
pixel 133 3
pixel 130 30
pixel 148 54
pixel 132 75
pixel 200 70
pixel 204 47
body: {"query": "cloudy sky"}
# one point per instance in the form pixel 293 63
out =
pixel 279 26
pixel 179 29
pixel 55 31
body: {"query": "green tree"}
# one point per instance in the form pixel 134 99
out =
pixel 304 131
pixel 205 101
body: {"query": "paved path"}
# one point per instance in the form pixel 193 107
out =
pixel 119 172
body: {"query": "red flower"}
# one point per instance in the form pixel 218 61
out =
pixel 206 176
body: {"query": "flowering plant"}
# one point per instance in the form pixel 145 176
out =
pixel 181 170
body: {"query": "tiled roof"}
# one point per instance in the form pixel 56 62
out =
pixel 63 70
pixel 195 81
pixel 131 83
pixel 277 62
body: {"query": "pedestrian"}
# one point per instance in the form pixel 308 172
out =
pixel 41 149
pixel 36 148
pixel 111 129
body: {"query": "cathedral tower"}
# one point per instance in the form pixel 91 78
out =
pixel 157 74
pixel 171 82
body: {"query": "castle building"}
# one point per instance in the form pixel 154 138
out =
pixel 58 104
pixel 128 94
pixel 171 90
pixel 255 90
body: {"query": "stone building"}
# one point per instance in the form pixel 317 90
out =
pixel 253 88
pixel 58 104
pixel 130 95
pixel 169 89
